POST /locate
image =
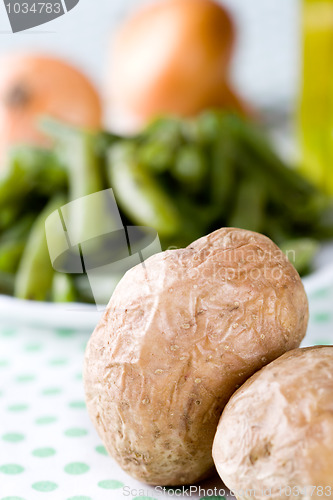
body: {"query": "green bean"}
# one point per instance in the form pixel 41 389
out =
pixel 10 255
pixel 206 128
pixel 223 175
pixel 35 273
pixel 7 283
pixel 190 167
pixel 76 150
pixel 277 228
pixel 193 221
pixel 324 227
pixel 83 288
pixel 156 156
pixel 252 138
pixel 249 207
pixel 290 213
pixel 9 215
pixel 301 252
pixel 139 195
pixel 30 169
pixel 103 141
pixel 18 231
pixel 12 244
pixel 63 289
pixel 168 130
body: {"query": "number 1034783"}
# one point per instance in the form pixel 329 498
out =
pixel 35 8
pixel 306 491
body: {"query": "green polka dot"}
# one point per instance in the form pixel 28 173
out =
pixel 110 484
pixel 33 347
pixel 320 294
pixel 324 342
pixel 77 405
pixel 79 376
pixel 144 498
pixel 26 377
pixel 76 468
pixel 323 317
pixel 12 498
pixel 79 498
pixel 11 469
pixel 45 420
pixel 58 362
pixel 213 498
pixel 8 332
pixel 44 452
pixel 101 449
pixel 65 332
pixel 76 432
pixel 51 391
pixel 45 486
pixel 18 407
pixel 3 363
pixel 13 437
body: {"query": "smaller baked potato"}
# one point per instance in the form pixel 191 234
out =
pixel 275 436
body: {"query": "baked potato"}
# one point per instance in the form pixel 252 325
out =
pixel 275 436
pixel 180 334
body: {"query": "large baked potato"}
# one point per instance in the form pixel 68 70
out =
pixel 275 436
pixel 180 334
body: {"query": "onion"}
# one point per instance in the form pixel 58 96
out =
pixel 32 85
pixel 172 57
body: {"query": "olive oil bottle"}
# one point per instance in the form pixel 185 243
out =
pixel 316 107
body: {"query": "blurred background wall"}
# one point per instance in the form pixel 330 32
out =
pixel 266 67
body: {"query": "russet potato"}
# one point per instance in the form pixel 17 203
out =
pixel 181 333
pixel 275 436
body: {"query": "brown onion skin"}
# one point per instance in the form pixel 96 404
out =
pixel 34 85
pixel 173 57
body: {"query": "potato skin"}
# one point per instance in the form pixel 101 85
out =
pixel 180 334
pixel 276 431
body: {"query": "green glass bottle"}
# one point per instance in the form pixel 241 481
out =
pixel 316 107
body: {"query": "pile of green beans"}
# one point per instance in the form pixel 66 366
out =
pixel 183 178
pixel 186 178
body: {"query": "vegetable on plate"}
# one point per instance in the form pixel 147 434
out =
pixel 181 178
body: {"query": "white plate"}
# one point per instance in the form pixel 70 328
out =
pixel 48 314
pixel 322 276
pixel 86 316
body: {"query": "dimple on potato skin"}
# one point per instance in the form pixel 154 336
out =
pixel 180 334
pixel 275 436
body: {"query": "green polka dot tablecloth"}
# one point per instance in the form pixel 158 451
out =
pixel 48 447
